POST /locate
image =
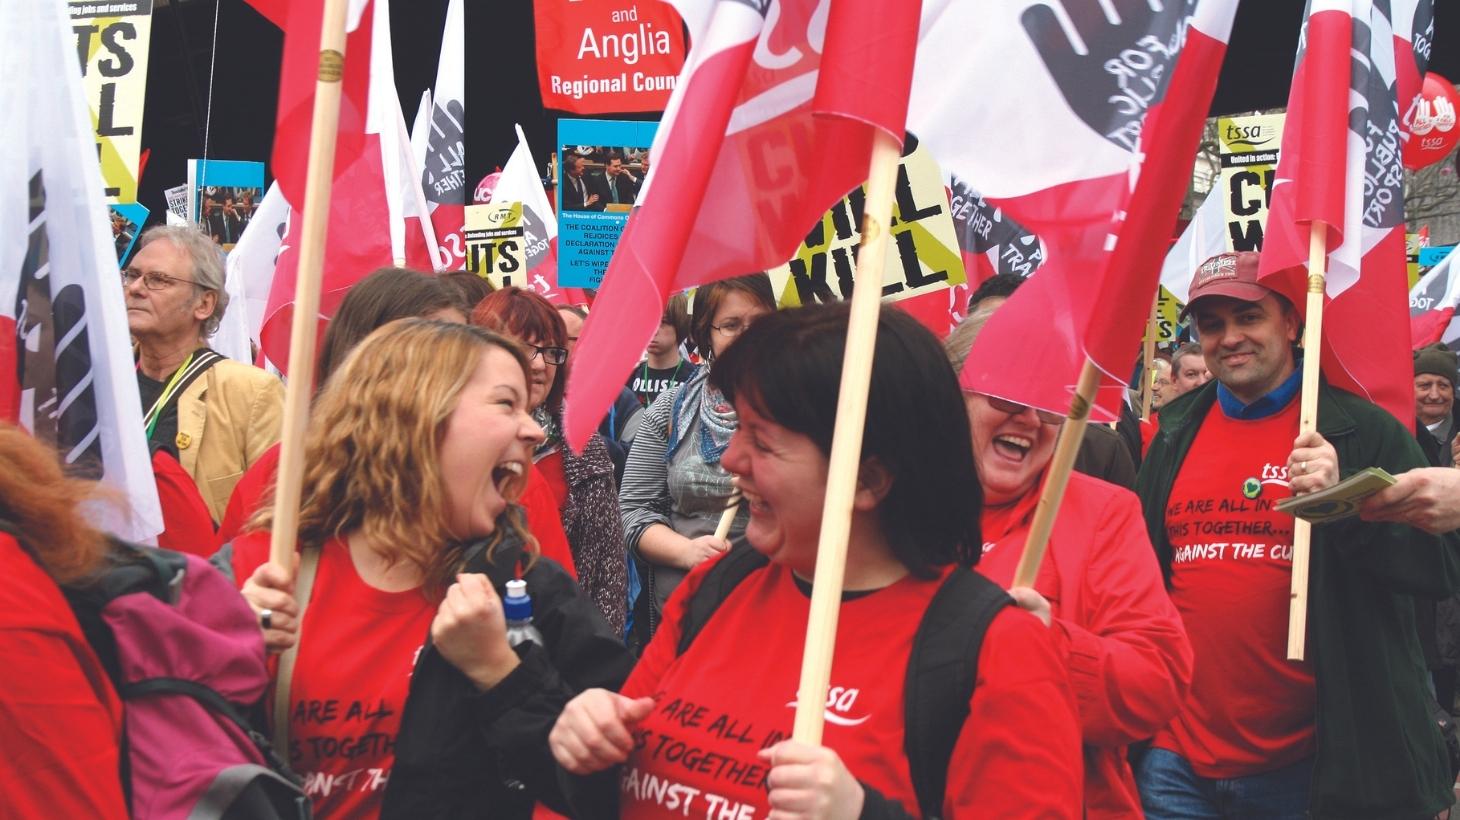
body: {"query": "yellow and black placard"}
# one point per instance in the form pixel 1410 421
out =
pixel 111 41
pixel 923 256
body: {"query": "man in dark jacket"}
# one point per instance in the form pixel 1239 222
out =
pixel 1344 734
pixel 1434 402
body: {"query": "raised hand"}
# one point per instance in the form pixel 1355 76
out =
pixel 1110 69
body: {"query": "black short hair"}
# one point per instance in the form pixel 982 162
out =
pixel 382 297
pixel 1000 284
pixel 917 425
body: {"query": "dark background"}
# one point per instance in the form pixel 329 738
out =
pixel 501 78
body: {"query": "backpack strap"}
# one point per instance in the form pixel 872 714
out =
pixel 941 674
pixel 303 586
pixel 720 580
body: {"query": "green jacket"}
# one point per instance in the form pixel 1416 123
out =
pixel 1379 755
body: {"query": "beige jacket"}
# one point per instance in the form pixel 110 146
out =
pixel 226 419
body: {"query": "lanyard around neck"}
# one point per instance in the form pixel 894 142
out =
pixel 155 412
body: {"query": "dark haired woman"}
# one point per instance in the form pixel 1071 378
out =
pixel 582 484
pixel 674 488
pixel 728 695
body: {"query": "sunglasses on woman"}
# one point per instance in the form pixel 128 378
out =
pixel 1014 408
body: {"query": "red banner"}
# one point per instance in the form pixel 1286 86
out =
pixel 603 56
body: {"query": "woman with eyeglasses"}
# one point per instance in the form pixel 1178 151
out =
pixel 674 488
pixel 1099 589
pixel 583 483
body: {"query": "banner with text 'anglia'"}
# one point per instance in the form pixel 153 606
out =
pixel 603 56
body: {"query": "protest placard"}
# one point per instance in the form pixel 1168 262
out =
pixel 496 243
pixel 1248 155
pixel 927 258
pixel 127 219
pixel 112 42
pixel 222 197
pixel 603 164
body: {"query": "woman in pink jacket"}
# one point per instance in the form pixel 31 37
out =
pixel 1099 588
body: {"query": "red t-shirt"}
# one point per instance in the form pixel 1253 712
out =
pixel 357 651
pixel 538 504
pixel 1250 709
pixel 734 692
pixel 60 719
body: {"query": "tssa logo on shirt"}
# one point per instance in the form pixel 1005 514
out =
pixel 839 703
pixel 1275 474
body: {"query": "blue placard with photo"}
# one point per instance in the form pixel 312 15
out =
pixel 223 195
pixel 601 168
pixel 127 220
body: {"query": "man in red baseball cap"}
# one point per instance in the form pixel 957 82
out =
pixel 1344 733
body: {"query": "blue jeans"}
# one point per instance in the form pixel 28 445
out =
pixel 1170 790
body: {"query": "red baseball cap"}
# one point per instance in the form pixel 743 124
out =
pixel 1227 274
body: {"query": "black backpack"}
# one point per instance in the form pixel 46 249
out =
pixel 941 671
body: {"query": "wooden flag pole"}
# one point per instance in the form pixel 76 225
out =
pixel 324 127
pixel 1307 422
pixel 1063 462
pixel 1148 358
pixel 846 445
pixel 722 530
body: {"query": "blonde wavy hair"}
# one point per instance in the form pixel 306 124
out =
pixel 372 452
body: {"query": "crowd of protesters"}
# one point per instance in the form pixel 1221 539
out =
pixel 1143 673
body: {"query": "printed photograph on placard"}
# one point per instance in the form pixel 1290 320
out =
pixel 225 194
pixel 602 177
pixel 127 220
pixel 602 167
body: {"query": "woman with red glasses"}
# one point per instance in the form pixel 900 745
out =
pixel 1099 589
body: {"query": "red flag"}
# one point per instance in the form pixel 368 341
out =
pixel 1075 122
pixel 1341 165
pixel 302 21
pixel 359 237
pixel 770 123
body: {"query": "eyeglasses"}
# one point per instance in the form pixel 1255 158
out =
pixel 732 328
pixel 153 280
pixel 1014 408
pixel 551 355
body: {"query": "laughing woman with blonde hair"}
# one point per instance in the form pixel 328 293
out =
pixel 406 698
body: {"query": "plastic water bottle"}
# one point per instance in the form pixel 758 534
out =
pixel 518 610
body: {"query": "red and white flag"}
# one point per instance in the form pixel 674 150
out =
pixel 360 237
pixel 438 138
pixel 771 121
pixel 66 371
pixel 1432 304
pixel 1341 165
pixel 1077 121
pixel 302 21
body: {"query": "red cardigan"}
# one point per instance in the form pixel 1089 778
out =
pixel 1120 636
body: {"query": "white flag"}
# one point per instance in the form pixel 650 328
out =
pixel 519 182
pixel 66 371
pixel 1204 237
